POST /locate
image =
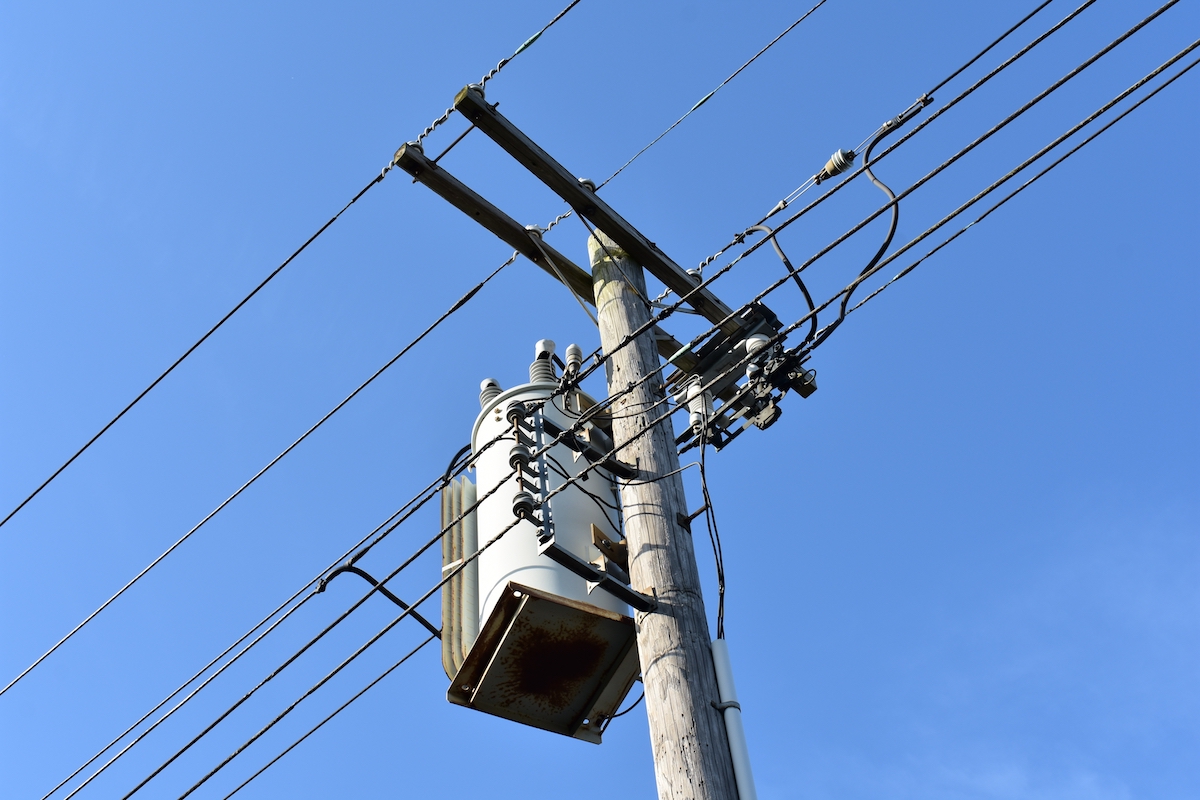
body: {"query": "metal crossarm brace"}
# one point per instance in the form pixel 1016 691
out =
pixel 471 103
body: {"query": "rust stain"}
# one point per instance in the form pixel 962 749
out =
pixel 551 666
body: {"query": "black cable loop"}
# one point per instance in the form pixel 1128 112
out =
pixel 791 271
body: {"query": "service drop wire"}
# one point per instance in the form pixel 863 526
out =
pixel 462 301
pixel 333 714
pixel 1029 182
pixel 741 237
pixel 353 554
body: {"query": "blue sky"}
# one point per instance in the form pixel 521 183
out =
pixel 965 569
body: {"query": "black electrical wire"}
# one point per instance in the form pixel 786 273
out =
pixel 636 703
pixel 714 535
pixel 558 468
pixel 913 187
pixel 454 462
pixel 335 712
pixel 791 271
pixel 358 550
pixel 984 51
pixel 917 129
pixel 405 564
pixel 192 349
pixel 887 241
pixel 1029 161
pixel 383 590
pixel 462 301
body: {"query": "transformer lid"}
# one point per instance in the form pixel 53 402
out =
pixel 550 662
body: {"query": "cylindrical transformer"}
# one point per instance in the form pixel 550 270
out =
pixel 589 503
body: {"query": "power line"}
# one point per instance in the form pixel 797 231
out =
pixel 1029 182
pixel 272 275
pixel 335 712
pixel 741 237
pixel 445 315
pixel 708 96
pixel 192 349
pixel 984 51
pixel 917 184
pixel 494 71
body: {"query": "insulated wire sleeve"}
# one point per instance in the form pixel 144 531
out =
pixel 445 315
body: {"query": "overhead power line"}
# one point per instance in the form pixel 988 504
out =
pixel 1028 162
pixel 837 187
pixel 383 173
pixel 709 96
pixel 445 315
pixel 330 716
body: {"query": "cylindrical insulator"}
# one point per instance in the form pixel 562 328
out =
pixel 522 505
pixel 519 456
pixel 542 368
pixel 489 390
pixel 838 163
pixel 516 412
pixel 574 358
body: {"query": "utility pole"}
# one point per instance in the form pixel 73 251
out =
pixel 691 751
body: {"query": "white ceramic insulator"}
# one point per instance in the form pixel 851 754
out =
pixel 542 368
pixel 489 389
pixel 574 358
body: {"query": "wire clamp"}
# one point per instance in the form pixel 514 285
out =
pixel 723 706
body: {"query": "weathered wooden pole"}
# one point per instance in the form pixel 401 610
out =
pixel 691 751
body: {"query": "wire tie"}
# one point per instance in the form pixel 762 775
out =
pixel 723 706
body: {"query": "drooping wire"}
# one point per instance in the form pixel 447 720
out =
pixel 445 315
pixel 741 237
pixel 887 241
pixel 791 271
pixel 271 276
pixel 330 716
pixel 714 534
pixel 709 96
pixel 1029 182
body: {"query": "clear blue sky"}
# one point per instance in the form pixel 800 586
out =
pixel 966 568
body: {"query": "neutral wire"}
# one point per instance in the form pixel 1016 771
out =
pixel 192 349
pixel 445 315
pixel 709 96
pixel 335 712
pixel 496 70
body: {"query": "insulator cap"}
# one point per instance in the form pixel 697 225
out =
pixel 838 163
pixel 522 505
pixel 489 390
